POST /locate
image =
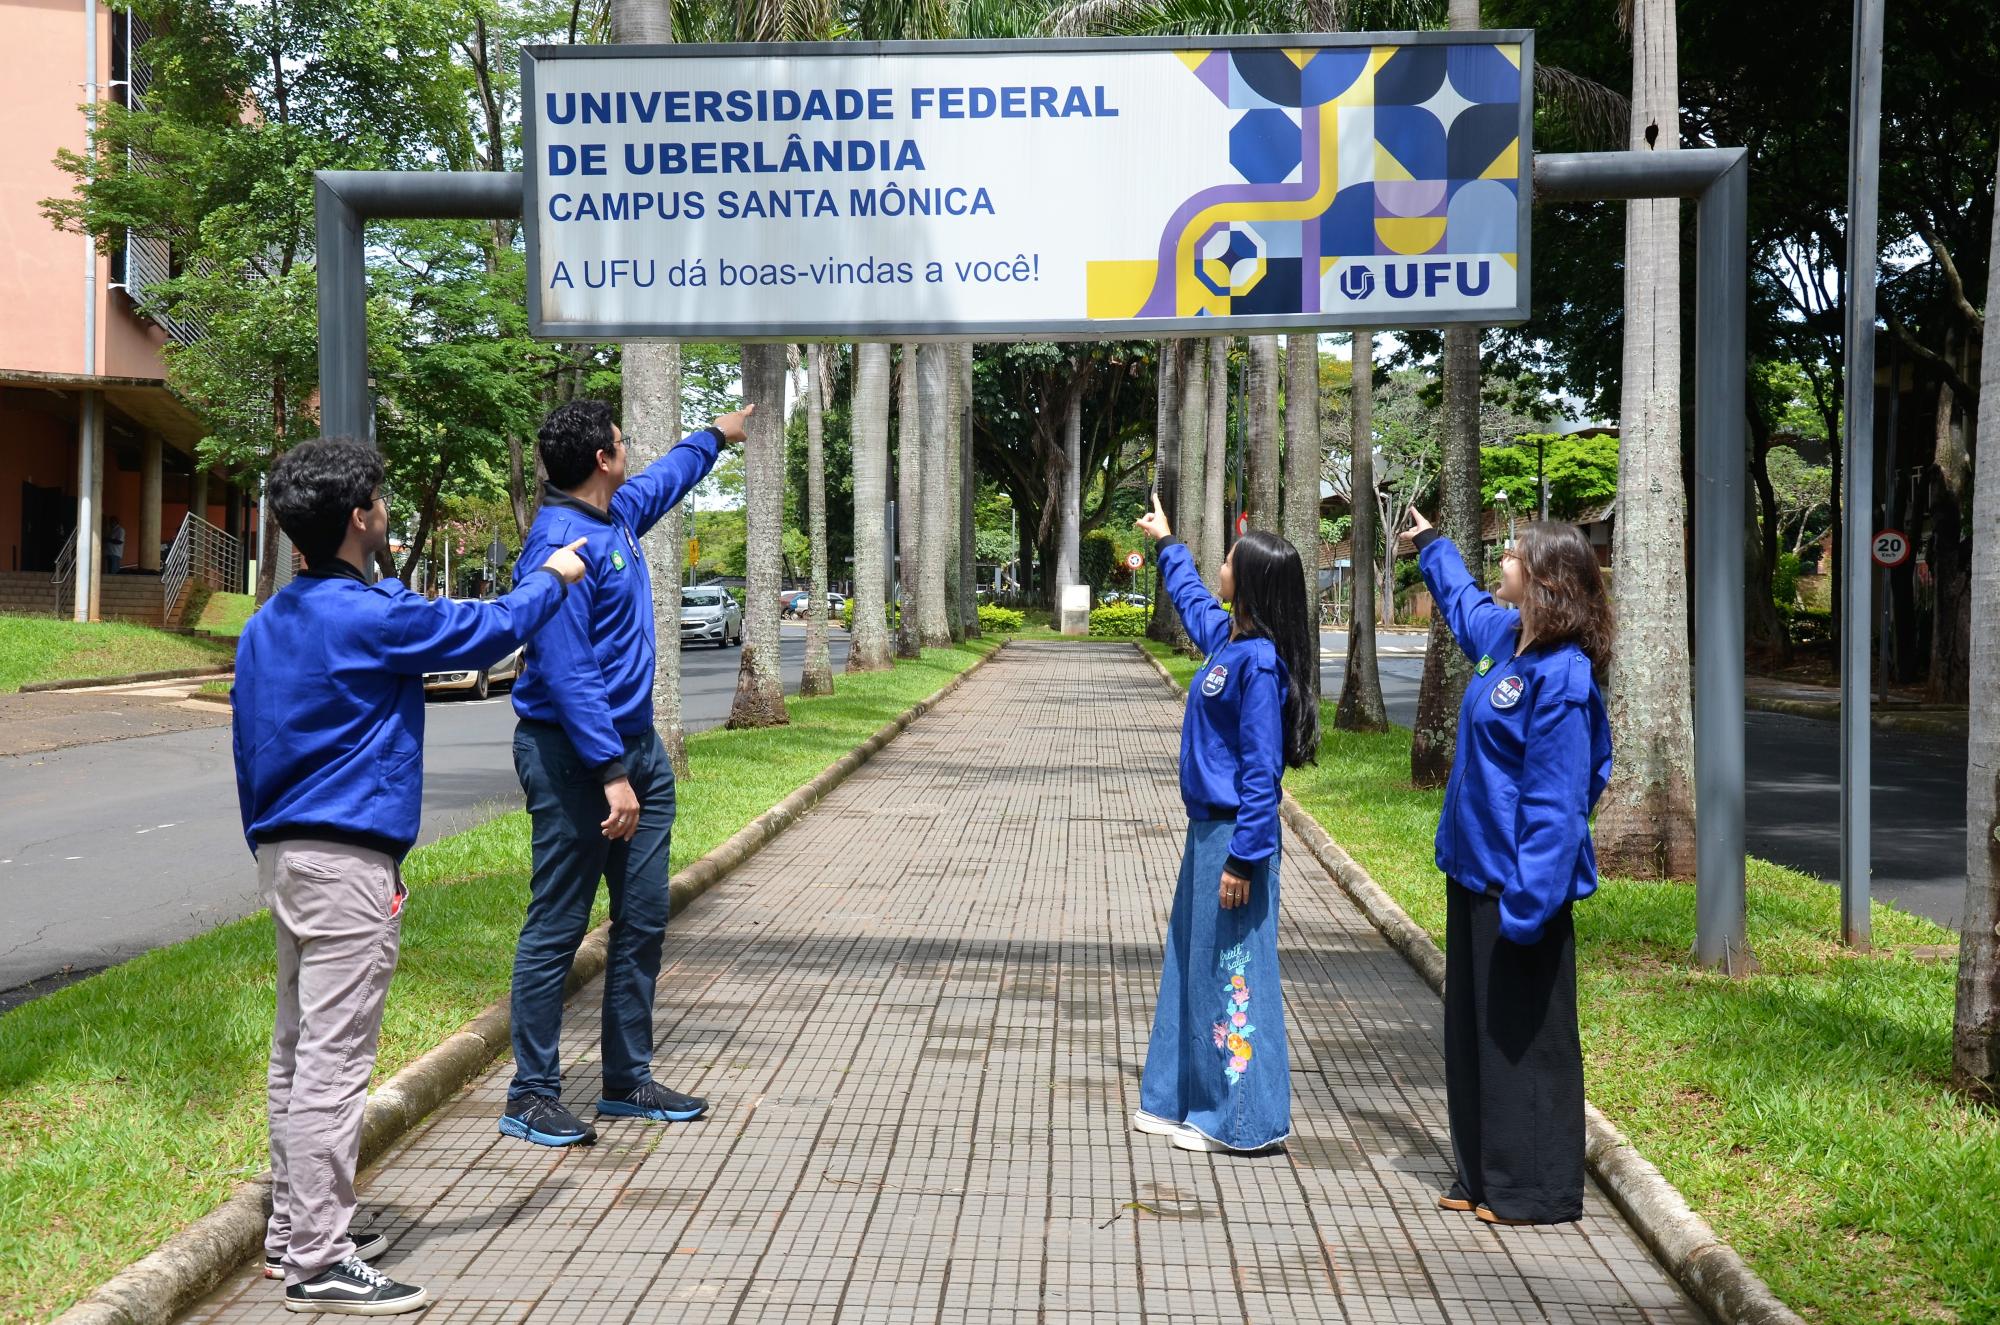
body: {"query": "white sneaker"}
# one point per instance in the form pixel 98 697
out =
pixel 1188 1138
pixel 1153 1125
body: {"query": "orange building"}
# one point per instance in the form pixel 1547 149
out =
pixel 89 432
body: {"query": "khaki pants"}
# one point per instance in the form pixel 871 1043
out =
pixel 338 911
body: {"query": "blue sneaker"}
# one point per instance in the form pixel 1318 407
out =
pixel 545 1122
pixel 653 1101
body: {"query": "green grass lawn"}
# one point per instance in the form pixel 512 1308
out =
pixel 130 1103
pixel 44 648
pixel 1803 1111
pixel 224 613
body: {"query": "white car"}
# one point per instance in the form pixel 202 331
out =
pixel 710 616
pixel 479 683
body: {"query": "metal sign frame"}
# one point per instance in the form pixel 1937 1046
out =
pixel 1071 329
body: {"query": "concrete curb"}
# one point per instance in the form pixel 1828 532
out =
pixel 1916 723
pixel 158 1287
pixel 1707 1267
pixel 136 678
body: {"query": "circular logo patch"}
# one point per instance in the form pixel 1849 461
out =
pixel 1508 693
pixel 1211 685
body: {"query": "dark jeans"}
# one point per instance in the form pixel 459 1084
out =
pixel 1513 1062
pixel 566 802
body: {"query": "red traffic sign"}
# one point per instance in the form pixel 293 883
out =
pixel 1133 561
pixel 1242 524
pixel 1891 548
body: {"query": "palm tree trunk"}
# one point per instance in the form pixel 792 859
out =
pixel 1069 536
pixel 1302 466
pixel 1263 434
pixel 1446 670
pixel 652 389
pixel 954 543
pixel 760 688
pixel 909 501
pixel 868 646
pixel 1165 623
pixel 1975 1040
pixel 817 679
pixel 1215 473
pixel 1645 822
pixel 968 498
pixel 1361 708
pixel 934 524
pixel 1191 515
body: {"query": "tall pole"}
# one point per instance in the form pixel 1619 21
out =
pixel 1858 498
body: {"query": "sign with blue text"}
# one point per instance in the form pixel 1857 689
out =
pixel 1066 189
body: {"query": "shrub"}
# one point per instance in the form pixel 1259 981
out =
pixel 1000 620
pixel 1095 556
pixel 1809 628
pixel 1118 621
pixel 1785 580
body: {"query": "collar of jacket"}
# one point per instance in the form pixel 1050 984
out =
pixel 334 570
pixel 555 496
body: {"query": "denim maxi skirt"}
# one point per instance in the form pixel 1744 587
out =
pixel 1217 1059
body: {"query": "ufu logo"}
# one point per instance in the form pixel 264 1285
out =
pixel 1404 280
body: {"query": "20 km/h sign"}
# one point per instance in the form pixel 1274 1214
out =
pixel 1133 561
pixel 1066 189
pixel 1891 548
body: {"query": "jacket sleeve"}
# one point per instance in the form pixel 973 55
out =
pixel 1553 814
pixel 1207 624
pixel 1475 619
pixel 239 748
pixel 563 655
pixel 1260 766
pixel 643 500
pixel 432 635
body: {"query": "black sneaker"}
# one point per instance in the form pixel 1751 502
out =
pixel 366 1245
pixel 653 1101
pixel 354 1288
pixel 545 1122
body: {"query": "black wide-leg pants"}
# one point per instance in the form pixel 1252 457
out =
pixel 1513 1063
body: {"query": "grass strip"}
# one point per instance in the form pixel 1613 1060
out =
pixel 223 613
pixel 36 649
pixel 1803 1111
pixel 133 1102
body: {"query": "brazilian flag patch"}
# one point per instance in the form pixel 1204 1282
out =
pixel 1485 660
pixel 618 563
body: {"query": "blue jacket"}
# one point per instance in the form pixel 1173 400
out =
pixel 592 670
pixel 1534 754
pixel 1233 737
pixel 328 728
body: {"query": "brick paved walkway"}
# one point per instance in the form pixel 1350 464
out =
pixel 921 1015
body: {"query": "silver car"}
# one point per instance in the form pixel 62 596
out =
pixel 710 616
pixel 479 684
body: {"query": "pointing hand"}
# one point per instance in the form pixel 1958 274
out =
pixel 565 562
pixel 732 425
pixel 1154 523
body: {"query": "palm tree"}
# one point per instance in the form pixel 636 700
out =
pixel 868 649
pixel 1069 507
pixel 934 512
pixel 909 500
pixel 1262 499
pixel 760 687
pixel 1215 476
pixel 1302 465
pixel 1645 822
pixel 1165 623
pixel 968 497
pixel 817 679
pixel 1361 708
pixel 651 377
pixel 1975 1041
pixel 1191 513
pixel 954 425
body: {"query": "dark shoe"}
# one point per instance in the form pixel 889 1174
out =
pixel 1455 1199
pixel 366 1245
pixel 1488 1217
pixel 545 1122
pixel 653 1101
pixel 354 1288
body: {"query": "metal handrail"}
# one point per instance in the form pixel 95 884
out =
pixel 201 553
pixel 174 569
pixel 65 560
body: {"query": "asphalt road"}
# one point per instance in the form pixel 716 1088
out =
pixel 1792 792
pixel 112 849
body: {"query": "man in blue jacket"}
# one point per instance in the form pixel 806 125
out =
pixel 599 786
pixel 328 735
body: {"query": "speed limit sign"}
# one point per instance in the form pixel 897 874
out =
pixel 1891 548
pixel 1133 561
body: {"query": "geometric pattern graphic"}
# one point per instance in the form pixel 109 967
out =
pixel 1340 153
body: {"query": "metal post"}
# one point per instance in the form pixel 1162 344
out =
pixel 1720 178
pixel 1858 498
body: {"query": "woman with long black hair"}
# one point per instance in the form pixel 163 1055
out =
pixel 1217 1076
pixel 1534 754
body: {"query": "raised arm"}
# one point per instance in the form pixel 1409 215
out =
pixel 646 498
pixel 1476 621
pixel 434 635
pixel 1206 623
